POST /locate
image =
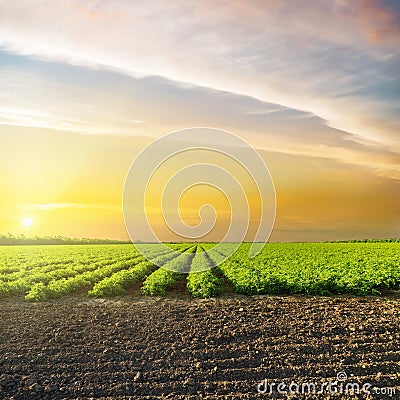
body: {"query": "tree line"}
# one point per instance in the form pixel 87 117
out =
pixel 13 240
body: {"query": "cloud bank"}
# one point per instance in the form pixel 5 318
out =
pixel 335 59
pixel 320 77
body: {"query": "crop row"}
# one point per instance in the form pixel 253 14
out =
pixel 117 283
pixel 316 268
pixel 164 278
pixel 109 270
pixel 201 281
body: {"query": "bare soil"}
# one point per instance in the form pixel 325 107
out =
pixel 180 348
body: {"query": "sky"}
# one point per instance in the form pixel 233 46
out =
pixel 314 86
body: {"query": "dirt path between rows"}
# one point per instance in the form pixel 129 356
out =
pixel 198 349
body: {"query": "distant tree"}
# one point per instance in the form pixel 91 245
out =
pixel 11 240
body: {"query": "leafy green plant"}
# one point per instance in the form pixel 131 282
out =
pixel 117 283
pixel 201 282
pixel 45 272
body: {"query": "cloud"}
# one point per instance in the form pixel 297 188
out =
pixel 312 58
pixel 318 80
pixel 33 96
pixel 58 206
pixel 104 102
pixel 379 20
pixel 37 119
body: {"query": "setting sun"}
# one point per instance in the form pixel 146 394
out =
pixel 27 222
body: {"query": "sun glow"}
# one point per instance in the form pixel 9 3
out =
pixel 27 222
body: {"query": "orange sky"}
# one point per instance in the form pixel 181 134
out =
pixel 86 86
pixel 71 184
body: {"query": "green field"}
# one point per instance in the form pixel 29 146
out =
pixel 38 273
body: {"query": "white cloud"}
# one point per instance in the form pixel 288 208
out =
pixel 296 56
pixel 320 59
pixel 56 206
pixel 28 98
